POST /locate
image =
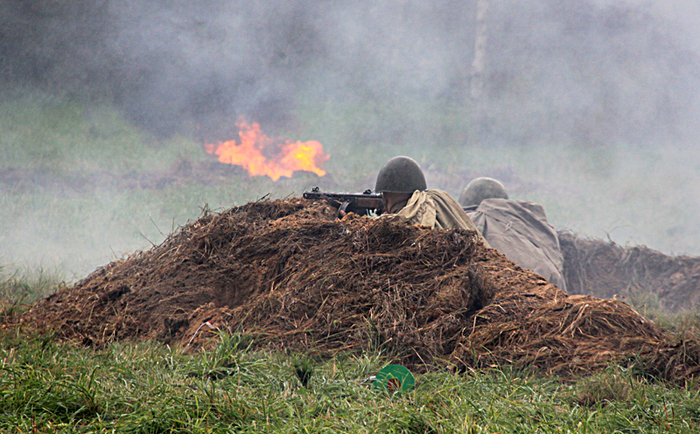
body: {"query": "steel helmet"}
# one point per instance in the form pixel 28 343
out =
pixel 400 175
pixel 480 189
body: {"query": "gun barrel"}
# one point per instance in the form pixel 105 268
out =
pixel 364 201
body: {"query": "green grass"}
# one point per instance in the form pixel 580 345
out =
pixel 58 229
pixel 23 286
pixel 53 134
pixel 78 200
pixel 149 388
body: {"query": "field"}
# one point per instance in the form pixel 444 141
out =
pixel 81 187
pixel 148 388
pixel 89 187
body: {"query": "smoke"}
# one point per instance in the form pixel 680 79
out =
pixel 180 66
pixel 582 85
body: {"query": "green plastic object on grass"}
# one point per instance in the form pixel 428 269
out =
pixel 394 379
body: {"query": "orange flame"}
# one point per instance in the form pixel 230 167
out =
pixel 274 157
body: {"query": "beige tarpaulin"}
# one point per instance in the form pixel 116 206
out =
pixel 519 229
pixel 436 210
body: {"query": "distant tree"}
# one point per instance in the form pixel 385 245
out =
pixel 476 89
pixel 478 65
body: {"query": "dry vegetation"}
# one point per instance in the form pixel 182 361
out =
pixel 290 275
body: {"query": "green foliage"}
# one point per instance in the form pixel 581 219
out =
pixel 62 137
pixel 23 286
pixel 146 388
pixel 605 388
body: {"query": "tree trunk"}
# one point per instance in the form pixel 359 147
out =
pixel 476 89
pixel 477 79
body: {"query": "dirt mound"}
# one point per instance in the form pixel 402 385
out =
pixel 292 276
pixel 605 269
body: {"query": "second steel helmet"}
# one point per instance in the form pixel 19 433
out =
pixel 480 189
pixel 400 175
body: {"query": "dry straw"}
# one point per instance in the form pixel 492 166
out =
pixel 291 275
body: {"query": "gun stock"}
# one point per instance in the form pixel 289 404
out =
pixel 359 203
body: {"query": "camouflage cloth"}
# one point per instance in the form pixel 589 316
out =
pixel 519 229
pixel 436 210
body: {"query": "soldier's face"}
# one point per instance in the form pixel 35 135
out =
pixel 391 199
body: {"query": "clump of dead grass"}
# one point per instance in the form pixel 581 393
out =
pixel 291 275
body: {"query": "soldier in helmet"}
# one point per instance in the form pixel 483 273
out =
pixel 480 189
pixel 405 193
pixel 519 229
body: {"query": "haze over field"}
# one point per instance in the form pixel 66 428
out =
pixel 588 107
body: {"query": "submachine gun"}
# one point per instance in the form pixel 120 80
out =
pixel 364 203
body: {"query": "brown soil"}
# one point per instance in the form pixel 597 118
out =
pixel 291 275
pixel 605 269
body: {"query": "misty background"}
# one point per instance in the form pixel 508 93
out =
pixel 589 107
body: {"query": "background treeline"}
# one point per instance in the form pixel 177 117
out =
pixel 577 72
